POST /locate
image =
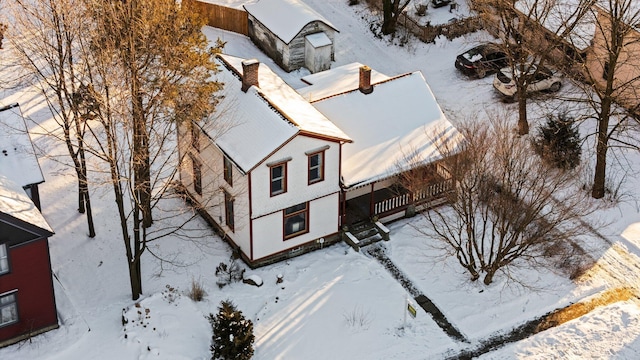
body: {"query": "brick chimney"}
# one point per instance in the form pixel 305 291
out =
pixel 365 80
pixel 250 74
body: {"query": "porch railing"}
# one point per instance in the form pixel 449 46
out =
pixel 430 192
pixel 391 203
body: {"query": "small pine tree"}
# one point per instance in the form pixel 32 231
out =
pixel 558 141
pixel 232 334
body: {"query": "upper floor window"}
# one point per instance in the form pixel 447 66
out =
pixel 228 210
pixel 296 220
pixel 278 178
pixel 4 259
pixel 196 175
pixel 195 137
pixel 8 309
pixel 316 167
pixel 228 171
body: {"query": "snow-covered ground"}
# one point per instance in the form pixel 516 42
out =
pixel 333 303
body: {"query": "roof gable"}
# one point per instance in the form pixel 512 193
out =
pixel 17 159
pixel 285 18
pixel 250 126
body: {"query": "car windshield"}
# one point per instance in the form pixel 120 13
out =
pixel 543 72
pixel 529 69
pixel 474 54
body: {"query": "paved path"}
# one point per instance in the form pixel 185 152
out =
pixel 378 253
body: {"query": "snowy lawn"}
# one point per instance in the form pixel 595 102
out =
pixel 475 309
pixel 609 332
pixel 333 303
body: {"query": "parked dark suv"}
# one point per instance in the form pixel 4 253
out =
pixel 481 60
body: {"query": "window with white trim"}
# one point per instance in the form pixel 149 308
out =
pixel 4 259
pixel 8 309
pixel 296 220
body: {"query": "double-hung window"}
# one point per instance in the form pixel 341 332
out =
pixel 228 171
pixel 8 308
pixel 228 210
pixel 196 174
pixel 316 167
pixel 195 137
pixel 278 174
pixel 4 259
pixel 296 220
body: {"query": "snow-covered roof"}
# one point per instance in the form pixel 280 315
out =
pixel 318 39
pixel 395 128
pixel 285 18
pixel 335 81
pixel 265 117
pixel 560 14
pixel 15 202
pixel 17 159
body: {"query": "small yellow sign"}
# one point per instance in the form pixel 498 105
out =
pixel 412 310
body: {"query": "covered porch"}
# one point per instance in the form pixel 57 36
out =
pixel 391 198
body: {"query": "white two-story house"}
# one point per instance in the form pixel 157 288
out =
pixel 265 170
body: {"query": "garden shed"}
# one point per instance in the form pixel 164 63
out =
pixel 292 34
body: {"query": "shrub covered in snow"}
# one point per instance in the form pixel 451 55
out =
pixel 228 273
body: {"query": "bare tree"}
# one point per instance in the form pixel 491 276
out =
pixel 612 72
pixel 507 207
pixel 152 69
pixel 120 77
pixel 3 26
pixel 391 10
pixel 46 36
pixel 531 33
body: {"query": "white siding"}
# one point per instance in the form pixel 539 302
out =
pixel 298 190
pixel 317 57
pixel 212 198
pixel 323 197
pixel 268 235
pixel 268 238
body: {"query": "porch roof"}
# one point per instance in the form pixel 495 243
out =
pixel 335 81
pixel 397 127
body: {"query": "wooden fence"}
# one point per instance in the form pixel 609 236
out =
pixel 428 33
pixel 221 17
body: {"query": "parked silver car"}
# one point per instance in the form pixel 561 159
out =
pixel 543 80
